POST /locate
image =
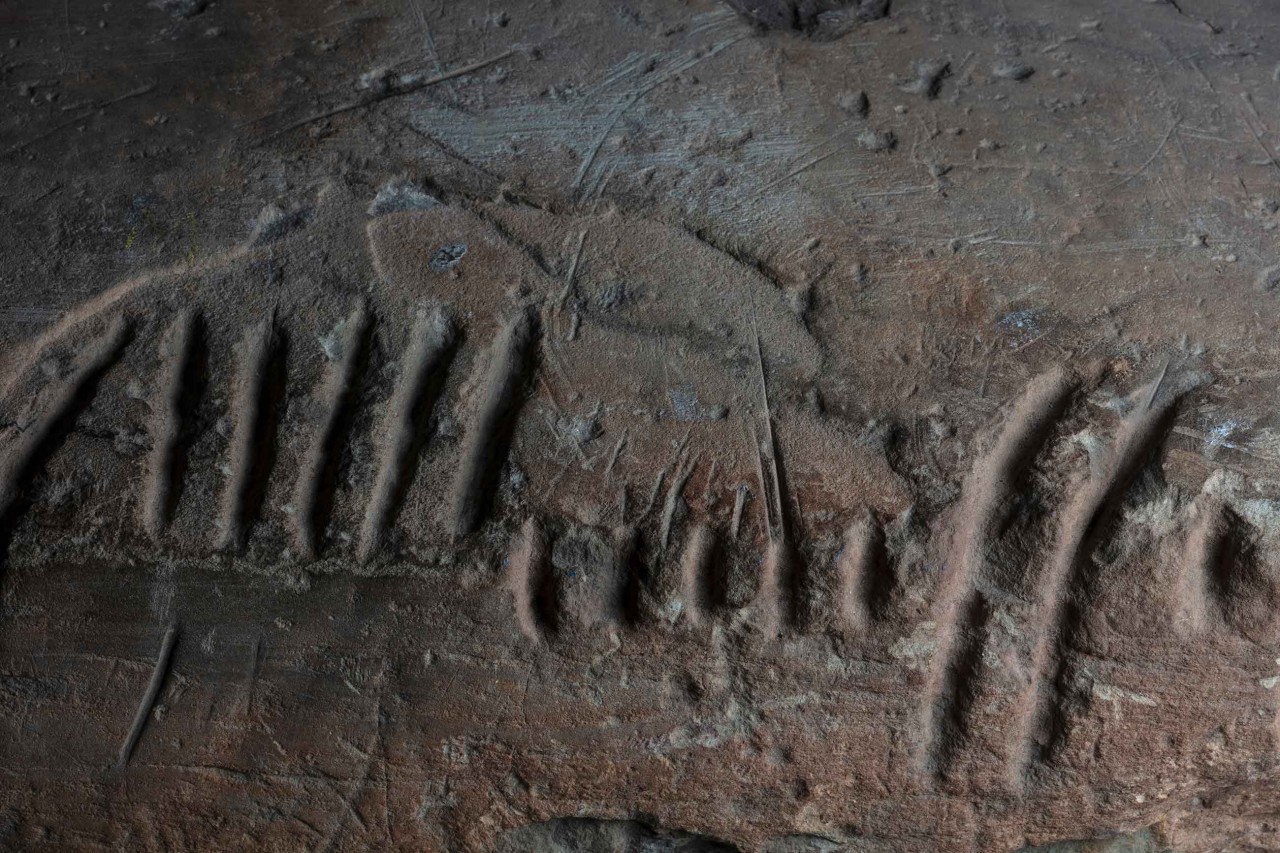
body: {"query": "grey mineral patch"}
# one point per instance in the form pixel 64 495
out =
pixel 831 24
pixel 181 8
pixel 447 257
pixel 686 407
pixel 1269 279
pixel 274 222
pixel 377 80
pixel 877 140
pixel 331 344
pixel 399 195
pixel 1021 326
pixel 1012 70
pixel 581 428
pixel 1221 435
pixel 855 103
pixel 927 81
pixel 615 295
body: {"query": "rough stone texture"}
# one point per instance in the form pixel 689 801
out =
pixel 594 426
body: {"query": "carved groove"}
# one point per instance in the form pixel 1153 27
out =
pixel 401 434
pixel 488 436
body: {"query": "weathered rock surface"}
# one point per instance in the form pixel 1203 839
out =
pixel 606 447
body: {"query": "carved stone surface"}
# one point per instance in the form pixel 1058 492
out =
pixel 640 426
